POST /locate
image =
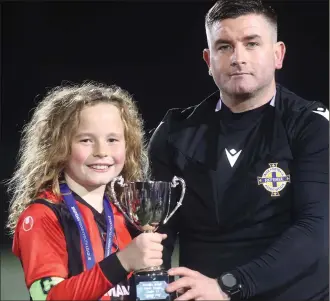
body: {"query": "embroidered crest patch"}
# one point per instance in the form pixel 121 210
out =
pixel 274 179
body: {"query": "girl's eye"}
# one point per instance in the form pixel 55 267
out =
pixel 85 140
pixel 112 140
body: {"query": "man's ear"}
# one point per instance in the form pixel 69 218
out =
pixel 206 56
pixel 279 52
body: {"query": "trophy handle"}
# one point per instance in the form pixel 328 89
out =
pixel 121 183
pixel 175 181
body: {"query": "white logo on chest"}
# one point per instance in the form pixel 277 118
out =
pixel 232 156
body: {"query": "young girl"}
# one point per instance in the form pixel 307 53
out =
pixel 72 242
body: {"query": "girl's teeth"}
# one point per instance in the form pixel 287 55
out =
pixel 100 167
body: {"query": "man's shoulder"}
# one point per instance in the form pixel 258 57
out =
pixel 295 106
pixel 179 114
pixel 191 113
pixel 178 118
pixel 305 120
pixel 172 120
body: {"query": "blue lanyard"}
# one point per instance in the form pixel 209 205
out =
pixel 75 212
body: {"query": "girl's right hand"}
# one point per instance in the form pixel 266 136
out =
pixel 144 251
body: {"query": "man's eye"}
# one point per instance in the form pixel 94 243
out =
pixel 252 44
pixel 224 47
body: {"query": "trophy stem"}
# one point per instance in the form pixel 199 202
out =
pixel 150 269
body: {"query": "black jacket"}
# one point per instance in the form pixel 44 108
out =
pixel 257 193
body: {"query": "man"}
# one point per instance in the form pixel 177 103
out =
pixel 255 158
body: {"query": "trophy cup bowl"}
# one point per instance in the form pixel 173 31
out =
pixel 146 205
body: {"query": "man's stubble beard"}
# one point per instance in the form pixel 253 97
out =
pixel 244 95
pixel 234 93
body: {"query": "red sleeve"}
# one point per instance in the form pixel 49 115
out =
pixel 89 285
pixel 40 244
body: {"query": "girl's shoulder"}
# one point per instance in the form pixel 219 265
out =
pixel 36 215
pixel 38 211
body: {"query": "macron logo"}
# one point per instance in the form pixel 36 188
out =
pixel 232 156
pixel 323 112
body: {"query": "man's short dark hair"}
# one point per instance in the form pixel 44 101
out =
pixel 225 9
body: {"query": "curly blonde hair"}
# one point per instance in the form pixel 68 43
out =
pixel 45 143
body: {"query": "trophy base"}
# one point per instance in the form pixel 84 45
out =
pixel 150 286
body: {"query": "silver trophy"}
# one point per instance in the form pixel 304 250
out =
pixel 147 205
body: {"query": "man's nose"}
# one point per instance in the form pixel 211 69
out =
pixel 238 57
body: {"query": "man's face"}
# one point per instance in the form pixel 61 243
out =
pixel 243 54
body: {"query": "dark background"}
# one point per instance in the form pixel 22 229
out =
pixel 153 49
